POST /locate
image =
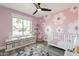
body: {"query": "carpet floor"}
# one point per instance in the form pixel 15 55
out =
pixel 40 49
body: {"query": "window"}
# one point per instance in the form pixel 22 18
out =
pixel 21 27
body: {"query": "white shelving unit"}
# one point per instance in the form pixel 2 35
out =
pixel 18 43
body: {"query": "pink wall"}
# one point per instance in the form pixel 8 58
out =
pixel 5 24
pixel 65 21
pixel 6 19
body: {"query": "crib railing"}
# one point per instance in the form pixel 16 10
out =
pixel 67 39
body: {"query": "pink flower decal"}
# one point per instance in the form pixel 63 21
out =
pixel 59 30
pixel 74 9
pixel 59 19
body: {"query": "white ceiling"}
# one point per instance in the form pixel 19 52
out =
pixel 30 8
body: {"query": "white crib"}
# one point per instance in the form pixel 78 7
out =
pixel 62 40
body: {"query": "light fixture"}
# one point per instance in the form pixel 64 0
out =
pixel 39 9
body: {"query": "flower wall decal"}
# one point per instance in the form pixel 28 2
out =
pixel 76 28
pixel 74 9
pixel 48 30
pixel 59 30
pixel 59 19
pixel 73 27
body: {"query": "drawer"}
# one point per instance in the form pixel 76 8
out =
pixel 9 46
pixel 17 44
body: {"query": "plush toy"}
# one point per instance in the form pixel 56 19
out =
pixel 76 50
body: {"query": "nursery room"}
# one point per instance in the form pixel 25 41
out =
pixel 39 29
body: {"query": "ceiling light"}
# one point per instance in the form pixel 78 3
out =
pixel 39 9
